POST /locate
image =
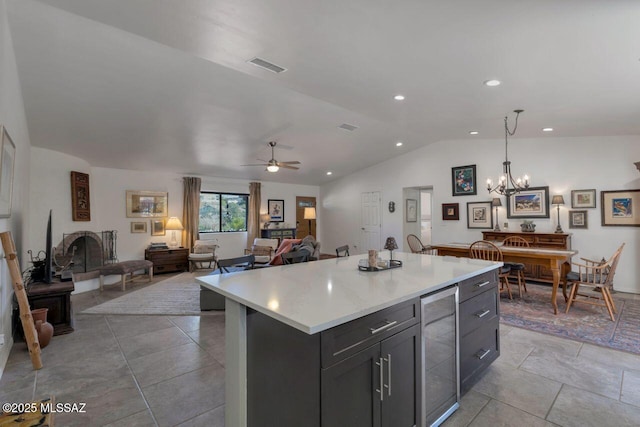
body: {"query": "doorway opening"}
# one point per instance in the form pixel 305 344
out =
pixel 305 226
pixel 419 222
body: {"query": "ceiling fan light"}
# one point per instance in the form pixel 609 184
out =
pixel 273 168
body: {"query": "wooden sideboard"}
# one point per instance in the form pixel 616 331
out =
pixel 168 260
pixel 561 241
pixel 278 233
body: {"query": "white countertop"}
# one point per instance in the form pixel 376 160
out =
pixel 319 295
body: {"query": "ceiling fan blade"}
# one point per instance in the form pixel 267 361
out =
pixel 287 166
pixel 294 162
pixel 255 164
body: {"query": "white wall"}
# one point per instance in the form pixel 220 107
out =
pixel 51 171
pixel 12 116
pixel 563 164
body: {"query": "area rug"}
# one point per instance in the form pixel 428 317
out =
pixel 584 322
pixel 176 296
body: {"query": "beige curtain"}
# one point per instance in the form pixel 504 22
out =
pixel 190 211
pixel 253 223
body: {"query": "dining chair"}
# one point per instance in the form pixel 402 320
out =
pixel 416 246
pixel 482 249
pixel 246 262
pixel 295 257
pixel 592 283
pixel 517 268
pixel 342 251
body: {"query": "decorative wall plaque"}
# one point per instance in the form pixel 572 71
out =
pixel 80 199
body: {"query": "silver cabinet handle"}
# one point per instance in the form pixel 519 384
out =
pixel 480 285
pixel 382 328
pixel 484 313
pixel 481 355
pixel 381 389
pixel 388 386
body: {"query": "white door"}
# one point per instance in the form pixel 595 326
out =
pixel 371 214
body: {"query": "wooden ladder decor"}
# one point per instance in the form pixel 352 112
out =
pixel 28 326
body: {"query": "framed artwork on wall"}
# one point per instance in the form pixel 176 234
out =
pixel 463 180
pixel 583 198
pixel 80 199
pixel 147 204
pixel 412 210
pixel 157 227
pixel 620 208
pixel 479 215
pixel 530 203
pixel 138 227
pixel 276 210
pixel 578 219
pixel 7 160
pixel 450 212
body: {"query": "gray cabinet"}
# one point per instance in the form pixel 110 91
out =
pixel 377 386
pixel 479 326
pixel 278 233
pixel 333 378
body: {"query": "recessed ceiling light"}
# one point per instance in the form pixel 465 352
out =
pixel 329 173
pixel 399 97
pixel 547 129
pixel 473 132
pixel 492 82
pixel 399 144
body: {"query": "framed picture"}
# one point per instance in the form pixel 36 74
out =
pixel 80 199
pixel 577 219
pixel 450 212
pixel 276 210
pixel 7 159
pixel 530 203
pixel 463 180
pixel 583 198
pixel 147 204
pixel 157 227
pixel 412 210
pixel 479 215
pixel 620 208
pixel 138 227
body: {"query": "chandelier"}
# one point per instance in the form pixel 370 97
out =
pixel 507 185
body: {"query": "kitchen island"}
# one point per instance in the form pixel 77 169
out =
pixel 288 328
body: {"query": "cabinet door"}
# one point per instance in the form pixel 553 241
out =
pixel 349 396
pixel 401 357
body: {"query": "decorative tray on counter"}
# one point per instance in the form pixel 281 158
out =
pixel 393 263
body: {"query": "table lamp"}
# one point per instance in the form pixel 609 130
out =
pixel 265 218
pixel 390 245
pixel 310 213
pixel 496 202
pixel 173 224
pixel 558 200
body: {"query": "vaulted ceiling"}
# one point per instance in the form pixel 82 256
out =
pixel 166 85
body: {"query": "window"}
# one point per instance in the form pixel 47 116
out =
pixel 222 212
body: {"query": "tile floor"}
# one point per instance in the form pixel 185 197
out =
pixel 169 371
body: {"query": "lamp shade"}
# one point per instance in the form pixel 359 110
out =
pixel 557 200
pixel 265 217
pixel 496 202
pixel 309 213
pixel 173 223
pixel 391 244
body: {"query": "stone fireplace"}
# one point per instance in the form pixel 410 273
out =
pixel 86 250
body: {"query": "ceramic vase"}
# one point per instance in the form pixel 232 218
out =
pixel 44 329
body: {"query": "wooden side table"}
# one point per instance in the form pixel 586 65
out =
pixel 55 296
pixel 168 260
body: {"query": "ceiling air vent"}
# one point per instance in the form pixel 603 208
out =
pixel 267 65
pixel 347 126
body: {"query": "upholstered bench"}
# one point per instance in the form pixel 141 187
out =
pixel 125 268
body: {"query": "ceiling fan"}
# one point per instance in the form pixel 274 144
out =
pixel 273 165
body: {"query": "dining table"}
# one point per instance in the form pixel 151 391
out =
pixel 558 261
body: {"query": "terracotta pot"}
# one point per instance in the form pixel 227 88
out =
pixel 44 329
